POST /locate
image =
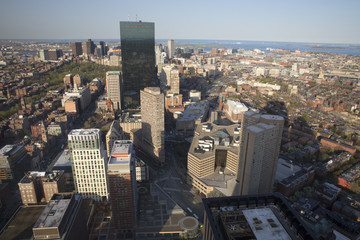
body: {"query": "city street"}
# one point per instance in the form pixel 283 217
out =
pixel 172 181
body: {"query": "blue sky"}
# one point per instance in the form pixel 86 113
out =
pixel 324 21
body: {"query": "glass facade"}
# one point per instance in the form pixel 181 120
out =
pixel 138 60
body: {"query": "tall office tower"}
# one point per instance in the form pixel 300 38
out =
pixel 138 60
pixel 76 49
pixel 259 151
pixel 153 123
pixel 171 48
pixel 88 163
pixel 97 51
pixel 122 184
pixel 113 88
pixel 103 48
pixel 44 55
pixel 88 47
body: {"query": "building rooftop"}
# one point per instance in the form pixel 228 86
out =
pixel 54 212
pixel 10 149
pixel 20 226
pixel 236 106
pixel 6 149
pixel 113 72
pixel 130 118
pixel 265 216
pixel 121 152
pixel 90 131
pixel 351 174
pixel 194 111
pixel 264 224
pixel 285 169
pixel 63 160
pixel 44 176
pixel 152 90
pixel 209 137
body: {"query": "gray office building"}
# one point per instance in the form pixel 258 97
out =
pixel 138 60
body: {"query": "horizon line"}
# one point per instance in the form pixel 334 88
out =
pixel 156 39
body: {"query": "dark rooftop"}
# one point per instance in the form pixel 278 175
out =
pixel 20 227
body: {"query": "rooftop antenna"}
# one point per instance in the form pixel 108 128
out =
pixel 128 18
pixel 136 17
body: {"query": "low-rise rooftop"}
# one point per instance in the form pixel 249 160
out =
pixel 20 226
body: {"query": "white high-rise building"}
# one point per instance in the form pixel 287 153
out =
pixel 171 47
pixel 113 88
pixel 88 162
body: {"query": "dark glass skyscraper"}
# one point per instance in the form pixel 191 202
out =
pixel 138 60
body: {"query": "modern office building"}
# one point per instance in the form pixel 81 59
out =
pixel 122 184
pixel 171 48
pixel 113 88
pixel 36 187
pixel 76 48
pixel 153 122
pixel 138 60
pixel 62 218
pixel 88 47
pixel 88 162
pixel 266 216
pixel 103 48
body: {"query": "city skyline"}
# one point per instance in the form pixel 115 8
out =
pixel 319 22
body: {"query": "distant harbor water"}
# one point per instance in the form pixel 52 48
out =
pixel 353 49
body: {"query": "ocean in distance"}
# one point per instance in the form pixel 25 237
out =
pixel 353 49
pixel 339 48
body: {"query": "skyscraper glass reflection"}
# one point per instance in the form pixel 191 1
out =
pixel 138 60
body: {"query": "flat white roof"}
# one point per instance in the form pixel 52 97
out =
pixel 255 129
pixel 283 169
pixel 265 225
pixel 52 214
pixel 64 159
pixel 6 149
pixel 237 107
pixel 90 131
pixel 121 148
